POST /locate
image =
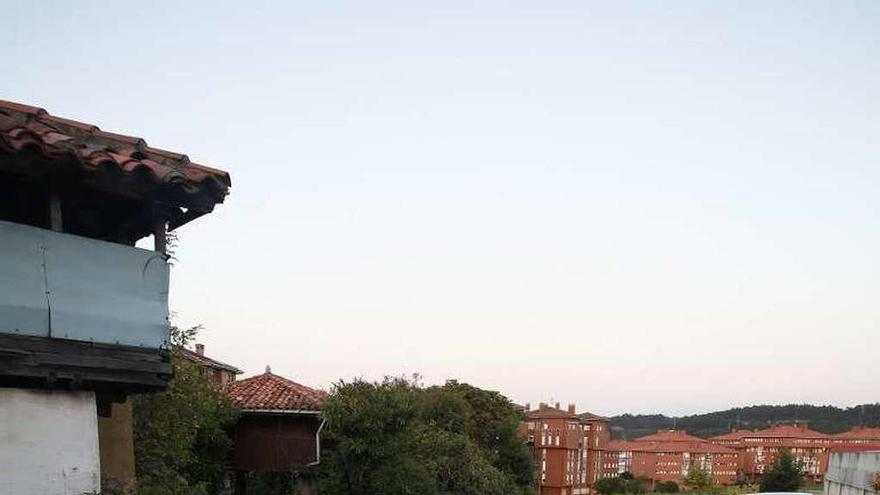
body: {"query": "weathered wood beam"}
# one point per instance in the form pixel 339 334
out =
pixel 69 363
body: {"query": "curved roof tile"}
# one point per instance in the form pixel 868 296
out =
pixel 269 392
pixel 24 127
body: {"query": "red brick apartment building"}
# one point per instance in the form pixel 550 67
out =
pixel 567 448
pixel 669 455
pixel 758 448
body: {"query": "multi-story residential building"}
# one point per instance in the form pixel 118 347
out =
pixel 566 448
pixel 759 448
pixel 599 434
pixel 669 455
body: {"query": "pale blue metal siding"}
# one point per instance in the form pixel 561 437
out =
pixel 85 290
pixel 24 308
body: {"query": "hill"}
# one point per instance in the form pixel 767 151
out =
pixel 827 419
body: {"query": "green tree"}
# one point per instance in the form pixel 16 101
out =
pixel 698 479
pixel 394 437
pixel 180 440
pixel 784 475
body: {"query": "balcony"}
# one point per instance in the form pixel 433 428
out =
pixel 86 311
pixel 65 286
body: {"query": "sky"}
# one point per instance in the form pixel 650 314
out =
pixel 631 206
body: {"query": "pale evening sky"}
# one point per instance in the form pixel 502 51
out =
pixel 633 206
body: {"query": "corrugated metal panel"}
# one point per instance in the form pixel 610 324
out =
pixel 98 291
pixel 23 305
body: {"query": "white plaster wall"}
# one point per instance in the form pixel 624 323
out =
pixel 48 442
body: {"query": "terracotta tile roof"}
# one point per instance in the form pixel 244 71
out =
pixel 678 446
pixel 856 447
pixel 24 128
pixel 545 412
pixel 620 445
pixel 210 363
pixel 670 436
pixel 588 416
pixel 269 392
pixel 733 435
pixel 787 431
pixel 859 433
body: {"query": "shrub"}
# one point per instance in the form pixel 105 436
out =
pixel 666 487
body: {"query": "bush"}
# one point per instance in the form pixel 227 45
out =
pixel 610 486
pixel 180 440
pixel 666 487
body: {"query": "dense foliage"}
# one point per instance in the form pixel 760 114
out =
pixel 784 475
pixel 827 419
pixel 666 487
pixel 181 446
pixel 397 438
pixel 626 483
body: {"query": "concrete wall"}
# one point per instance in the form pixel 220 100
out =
pixel 117 449
pixel 849 473
pixel 48 442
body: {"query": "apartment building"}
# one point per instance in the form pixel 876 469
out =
pixel 758 448
pixel 566 448
pixel 669 456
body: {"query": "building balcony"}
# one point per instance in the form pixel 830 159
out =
pixel 70 304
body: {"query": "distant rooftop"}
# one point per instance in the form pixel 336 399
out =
pixel 670 436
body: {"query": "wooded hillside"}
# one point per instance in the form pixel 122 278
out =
pixel 827 419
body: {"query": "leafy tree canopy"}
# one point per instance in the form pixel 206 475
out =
pixel 180 441
pixel 784 475
pixel 397 438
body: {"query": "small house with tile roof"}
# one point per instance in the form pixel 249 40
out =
pixel 279 429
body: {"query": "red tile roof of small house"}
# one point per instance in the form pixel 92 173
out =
pixel 272 393
pixel 25 129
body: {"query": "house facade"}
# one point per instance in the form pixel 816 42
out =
pixel 83 311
